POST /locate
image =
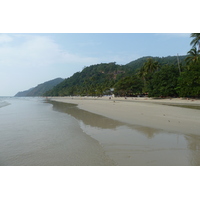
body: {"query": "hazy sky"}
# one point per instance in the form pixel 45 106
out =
pixel 27 60
pixel 85 33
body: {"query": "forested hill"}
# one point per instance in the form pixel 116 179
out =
pixel 169 60
pixel 90 81
pixel 40 89
pixel 98 79
pixel 23 93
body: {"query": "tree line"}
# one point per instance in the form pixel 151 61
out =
pixel 174 80
pixel 176 76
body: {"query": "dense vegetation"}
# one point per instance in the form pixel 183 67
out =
pixel 167 76
pixel 99 79
pixel 183 81
pixel 93 80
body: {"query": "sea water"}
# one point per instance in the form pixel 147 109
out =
pixel 34 131
pixel 31 133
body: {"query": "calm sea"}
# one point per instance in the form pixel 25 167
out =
pixel 32 133
pixel 36 132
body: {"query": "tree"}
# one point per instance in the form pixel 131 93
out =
pixel 146 71
pixel 189 82
pixel 196 40
pixel 164 82
pixel 193 56
pixel 128 86
pixel 142 73
pixel 151 66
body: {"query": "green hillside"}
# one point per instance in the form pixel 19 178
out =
pixel 93 80
pixel 98 79
pixel 169 60
pixel 173 76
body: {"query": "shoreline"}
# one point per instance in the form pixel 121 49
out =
pixel 147 112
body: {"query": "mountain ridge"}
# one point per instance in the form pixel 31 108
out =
pixel 99 78
pixel 40 89
pixel 95 79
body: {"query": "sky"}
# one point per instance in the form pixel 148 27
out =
pixel 43 40
pixel 29 59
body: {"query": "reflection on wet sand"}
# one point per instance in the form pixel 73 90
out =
pixel 193 143
pixel 87 118
pixel 147 131
pixel 136 145
pixel 98 121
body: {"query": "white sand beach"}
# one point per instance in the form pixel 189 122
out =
pixel 143 111
pixel 140 131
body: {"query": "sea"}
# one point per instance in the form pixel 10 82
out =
pixel 35 131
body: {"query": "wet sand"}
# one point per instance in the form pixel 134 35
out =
pixel 144 112
pixel 32 134
pixel 144 140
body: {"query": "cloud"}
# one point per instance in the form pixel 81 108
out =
pixel 27 60
pixel 37 51
pixel 5 38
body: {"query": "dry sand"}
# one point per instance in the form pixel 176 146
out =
pixel 143 111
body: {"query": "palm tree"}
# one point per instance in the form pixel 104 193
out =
pixel 151 66
pixel 148 68
pixel 142 73
pixel 193 56
pixel 196 40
